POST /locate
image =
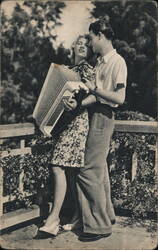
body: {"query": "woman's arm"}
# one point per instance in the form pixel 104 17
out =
pixel 72 103
pixel 90 99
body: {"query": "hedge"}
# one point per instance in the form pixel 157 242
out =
pixel 137 196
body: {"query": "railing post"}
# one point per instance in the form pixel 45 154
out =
pixel 21 184
pixel 22 143
pixel 156 161
pixel 1 191
pixel 1 185
pixel 156 156
pixel 134 165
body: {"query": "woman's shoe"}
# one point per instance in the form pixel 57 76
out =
pixel 43 235
pixel 52 230
pixel 72 226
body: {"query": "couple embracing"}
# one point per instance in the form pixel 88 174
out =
pixel 82 147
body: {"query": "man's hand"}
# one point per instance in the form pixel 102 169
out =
pixel 70 104
pixel 77 86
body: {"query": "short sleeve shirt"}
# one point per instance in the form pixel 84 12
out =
pixel 110 71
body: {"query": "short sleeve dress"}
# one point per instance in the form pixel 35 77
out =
pixel 70 144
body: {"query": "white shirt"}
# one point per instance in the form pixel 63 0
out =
pixel 111 69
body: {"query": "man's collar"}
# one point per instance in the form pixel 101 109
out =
pixel 107 56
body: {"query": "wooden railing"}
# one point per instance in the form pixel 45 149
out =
pixel 27 129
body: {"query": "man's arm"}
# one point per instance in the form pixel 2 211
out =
pixel 117 96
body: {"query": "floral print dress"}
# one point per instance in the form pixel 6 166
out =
pixel 70 144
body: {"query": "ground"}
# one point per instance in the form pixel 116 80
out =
pixel 124 237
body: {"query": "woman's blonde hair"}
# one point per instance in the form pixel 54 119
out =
pixel 89 50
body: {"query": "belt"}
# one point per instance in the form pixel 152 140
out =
pixel 101 108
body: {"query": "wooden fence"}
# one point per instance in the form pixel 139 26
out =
pixel 26 129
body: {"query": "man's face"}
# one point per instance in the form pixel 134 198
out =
pixel 94 41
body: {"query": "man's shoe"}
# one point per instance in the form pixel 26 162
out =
pixel 92 237
pixel 113 222
pixel 72 226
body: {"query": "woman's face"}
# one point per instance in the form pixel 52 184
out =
pixel 81 48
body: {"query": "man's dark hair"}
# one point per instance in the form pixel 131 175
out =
pixel 104 27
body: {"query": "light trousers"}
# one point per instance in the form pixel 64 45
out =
pixel 93 180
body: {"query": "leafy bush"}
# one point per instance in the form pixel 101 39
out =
pixel 35 169
pixel 137 195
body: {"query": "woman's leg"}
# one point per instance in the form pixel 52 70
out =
pixel 73 187
pixel 60 187
pixel 75 221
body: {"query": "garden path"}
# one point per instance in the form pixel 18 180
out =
pixel 124 237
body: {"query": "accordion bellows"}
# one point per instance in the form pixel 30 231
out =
pixel 50 104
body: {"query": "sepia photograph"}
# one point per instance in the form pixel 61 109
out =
pixel 79 125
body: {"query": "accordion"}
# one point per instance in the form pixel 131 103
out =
pixel 50 106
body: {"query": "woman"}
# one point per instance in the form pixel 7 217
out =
pixel 70 146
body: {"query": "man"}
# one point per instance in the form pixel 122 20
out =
pixel 109 90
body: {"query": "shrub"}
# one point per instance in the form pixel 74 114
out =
pixel 35 169
pixel 137 195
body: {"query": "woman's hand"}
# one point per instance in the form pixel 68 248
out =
pixel 77 86
pixel 89 84
pixel 70 104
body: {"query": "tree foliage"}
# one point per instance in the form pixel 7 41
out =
pixel 28 48
pixel 135 24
